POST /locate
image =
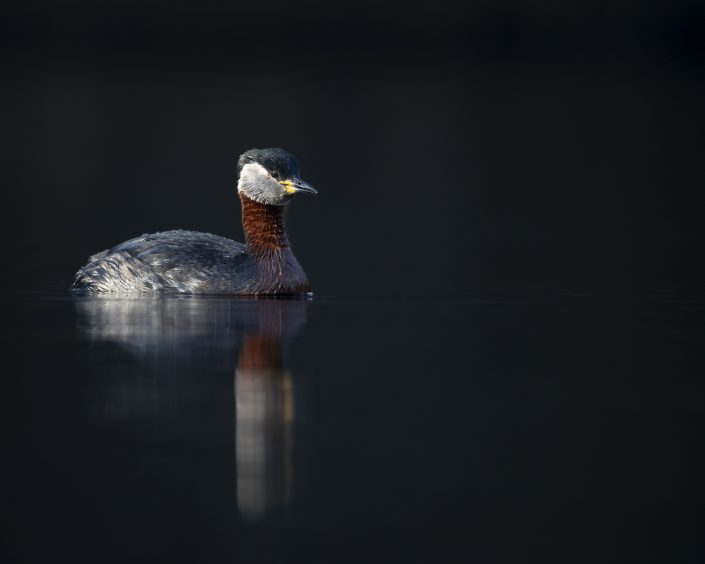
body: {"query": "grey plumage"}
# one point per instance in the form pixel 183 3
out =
pixel 181 261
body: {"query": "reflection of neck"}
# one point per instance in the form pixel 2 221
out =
pixel 261 352
pixel 265 232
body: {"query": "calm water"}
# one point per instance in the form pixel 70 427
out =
pixel 513 428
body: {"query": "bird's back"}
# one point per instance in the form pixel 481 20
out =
pixel 184 261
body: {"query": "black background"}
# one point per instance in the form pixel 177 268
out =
pixel 463 150
pixel 455 145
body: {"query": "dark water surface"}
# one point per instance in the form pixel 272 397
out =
pixel 545 427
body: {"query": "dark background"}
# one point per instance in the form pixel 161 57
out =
pixel 455 145
pixel 547 150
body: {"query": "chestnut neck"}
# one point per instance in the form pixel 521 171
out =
pixel 265 231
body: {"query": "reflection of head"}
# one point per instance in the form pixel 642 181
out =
pixel 264 414
pixel 263 439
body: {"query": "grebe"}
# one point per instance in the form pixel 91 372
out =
pixel 200 263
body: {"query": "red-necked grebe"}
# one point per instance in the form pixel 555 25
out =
pixel 200 263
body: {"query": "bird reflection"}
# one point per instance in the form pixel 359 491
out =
pixel 264 414
pixel 182 334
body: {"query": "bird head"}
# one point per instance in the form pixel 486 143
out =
pixel 270 176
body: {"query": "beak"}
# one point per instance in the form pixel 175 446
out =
pixel 298 185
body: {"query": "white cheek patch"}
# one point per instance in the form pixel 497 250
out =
pixel 258 185
pixel 252 173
